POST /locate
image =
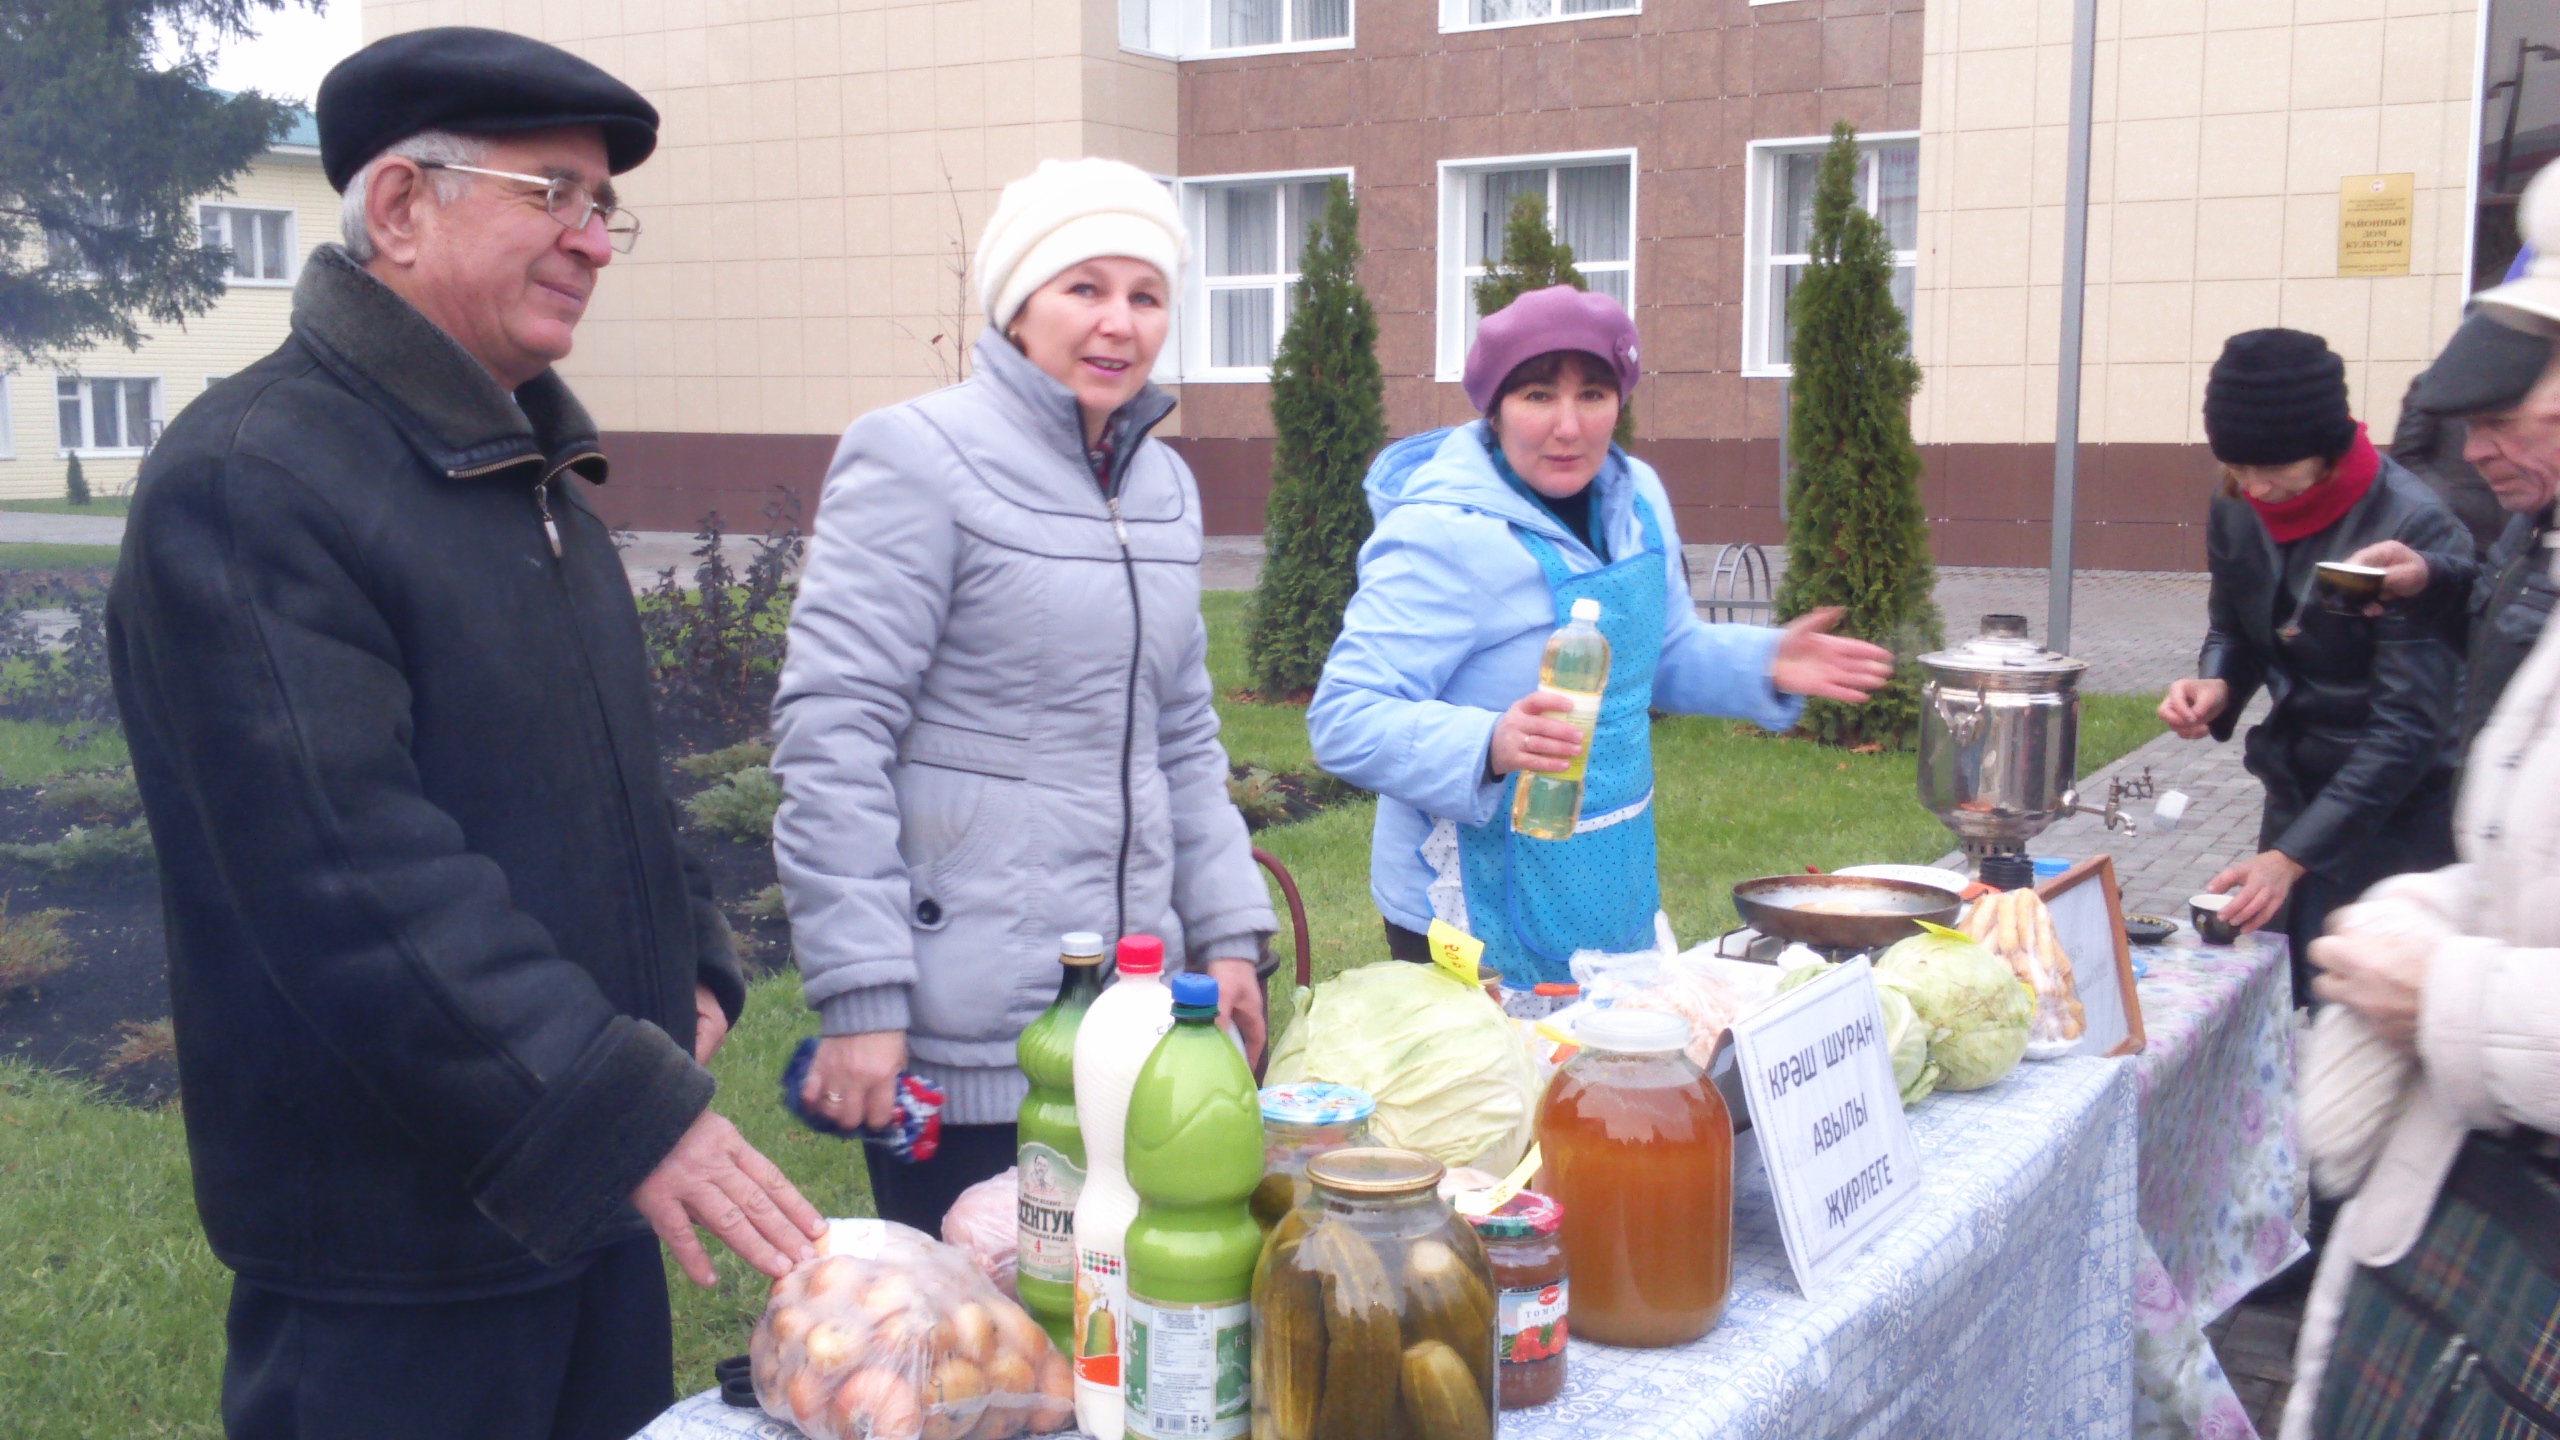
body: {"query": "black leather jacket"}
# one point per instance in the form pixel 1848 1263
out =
pixel 2361 724
pixel 432 941
pixel 2507 596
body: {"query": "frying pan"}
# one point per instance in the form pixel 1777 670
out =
pixel 1857 912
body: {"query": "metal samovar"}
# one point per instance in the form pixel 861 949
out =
pixel 1999 745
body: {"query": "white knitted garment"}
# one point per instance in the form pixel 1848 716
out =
pixel 1067 212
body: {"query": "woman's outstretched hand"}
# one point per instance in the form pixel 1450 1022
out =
pixel 1528 738
pixel 1811 661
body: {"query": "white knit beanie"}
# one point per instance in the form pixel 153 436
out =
pixel 1067 212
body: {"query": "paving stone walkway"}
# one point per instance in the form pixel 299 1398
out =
pixel 26 527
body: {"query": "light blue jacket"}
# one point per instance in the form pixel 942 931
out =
pixel 1447 629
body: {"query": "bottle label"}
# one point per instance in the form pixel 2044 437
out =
pixel 1102 1303
pixel 1531 1324
pixel 1046 1213
pixel 1585 717
pixel 1190 1370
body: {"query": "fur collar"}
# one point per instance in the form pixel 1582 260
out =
pixel 447 404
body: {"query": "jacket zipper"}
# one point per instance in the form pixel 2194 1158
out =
pixel 542 507
pixel 1129 712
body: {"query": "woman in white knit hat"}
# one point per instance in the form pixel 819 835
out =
pixel 994 721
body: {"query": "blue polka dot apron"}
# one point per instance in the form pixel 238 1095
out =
pixel 1534 902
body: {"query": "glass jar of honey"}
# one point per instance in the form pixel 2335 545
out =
pixel 1639 1152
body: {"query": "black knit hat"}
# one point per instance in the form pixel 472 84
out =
pixel 2277 396
pixel 476 82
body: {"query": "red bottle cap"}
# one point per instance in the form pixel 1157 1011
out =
pixel 1140 955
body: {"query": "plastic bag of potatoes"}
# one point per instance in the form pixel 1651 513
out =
pixel 890 1335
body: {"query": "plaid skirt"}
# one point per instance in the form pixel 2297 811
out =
pixel 2461 1339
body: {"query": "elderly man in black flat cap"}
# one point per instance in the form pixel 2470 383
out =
pixel 2500 373
pixel 443 979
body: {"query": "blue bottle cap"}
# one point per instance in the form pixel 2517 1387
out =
pixel 1195 992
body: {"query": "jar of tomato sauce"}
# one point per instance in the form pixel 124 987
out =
pixel 1639 1152
pixel 1530 1295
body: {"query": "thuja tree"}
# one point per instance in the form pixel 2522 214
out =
pixel 1328 407
pixel 1856 536
pixel 1534 259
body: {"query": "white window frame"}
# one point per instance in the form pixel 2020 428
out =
pixel 1191 316
pixel 8 421
pixel 1454 15
pixel 1759 208
pixel 1179 30
pixel 292 242
pixel 159 417
pixel 1456 280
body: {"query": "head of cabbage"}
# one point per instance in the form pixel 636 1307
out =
pixel 1914 1074
pixel 1975 1010
pixel 1451 1073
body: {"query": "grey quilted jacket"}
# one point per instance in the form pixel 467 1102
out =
pixel 994 723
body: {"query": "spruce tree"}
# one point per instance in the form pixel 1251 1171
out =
pixel 1856 535
pixel 1329 409
pixel 1533 258
pixel 106 143
pixel 75 486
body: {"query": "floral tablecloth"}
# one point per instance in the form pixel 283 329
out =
pixel 2005 1292
pixel 2221 1178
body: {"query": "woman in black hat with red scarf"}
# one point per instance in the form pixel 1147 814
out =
pixel 2359 745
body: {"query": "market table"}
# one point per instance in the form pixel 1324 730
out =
pixel 2037 1280
pixel 2221 1176
pixel 2007 1290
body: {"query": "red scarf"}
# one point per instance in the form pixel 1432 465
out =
pixel 2321 506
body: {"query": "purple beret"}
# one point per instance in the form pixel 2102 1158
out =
pixel 1556 318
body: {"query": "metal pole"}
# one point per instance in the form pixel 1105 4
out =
pixel 2075 254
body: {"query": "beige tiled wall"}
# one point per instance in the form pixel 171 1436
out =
pixel 823 170
pixel 2221 131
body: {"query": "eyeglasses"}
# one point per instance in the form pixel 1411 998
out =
pixel 565 201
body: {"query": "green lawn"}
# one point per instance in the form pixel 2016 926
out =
pixel 114 1304
pixel 109 505
pixel 55 557
pixel 31 753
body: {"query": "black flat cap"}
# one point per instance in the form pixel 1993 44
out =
pixel 473 82
pixel 2486 366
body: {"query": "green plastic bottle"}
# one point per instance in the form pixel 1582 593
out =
pixel 1194 1156
pixel 1050 1150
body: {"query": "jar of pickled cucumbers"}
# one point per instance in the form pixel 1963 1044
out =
pixel 1371 1297
pixel 1300 1122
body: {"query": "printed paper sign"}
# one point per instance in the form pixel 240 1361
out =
pixel 2374 212
pixel 1818 1078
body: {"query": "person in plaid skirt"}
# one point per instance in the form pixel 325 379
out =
pixel 2433 1096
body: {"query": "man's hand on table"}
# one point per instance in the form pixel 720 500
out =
pixel 715 1179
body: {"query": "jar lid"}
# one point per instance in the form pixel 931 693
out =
pixel 1080 944
pixel 1633 1031
pixel 2003 648
pixel 1523 1215
pixel 1315 1102
pixel 1374 1170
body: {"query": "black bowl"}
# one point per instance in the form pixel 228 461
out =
pixel 2148 929
pixel 2209 922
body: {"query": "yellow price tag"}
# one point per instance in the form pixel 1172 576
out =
pixel 1485 1202
pixel 1455 952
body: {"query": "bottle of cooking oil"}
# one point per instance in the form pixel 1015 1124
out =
pixel 1576 666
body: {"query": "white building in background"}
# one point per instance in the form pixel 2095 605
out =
pixel 108 405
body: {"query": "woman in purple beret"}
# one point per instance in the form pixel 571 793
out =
pixel 1487 535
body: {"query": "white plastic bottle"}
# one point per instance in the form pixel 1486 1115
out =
pixel 1118 1034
